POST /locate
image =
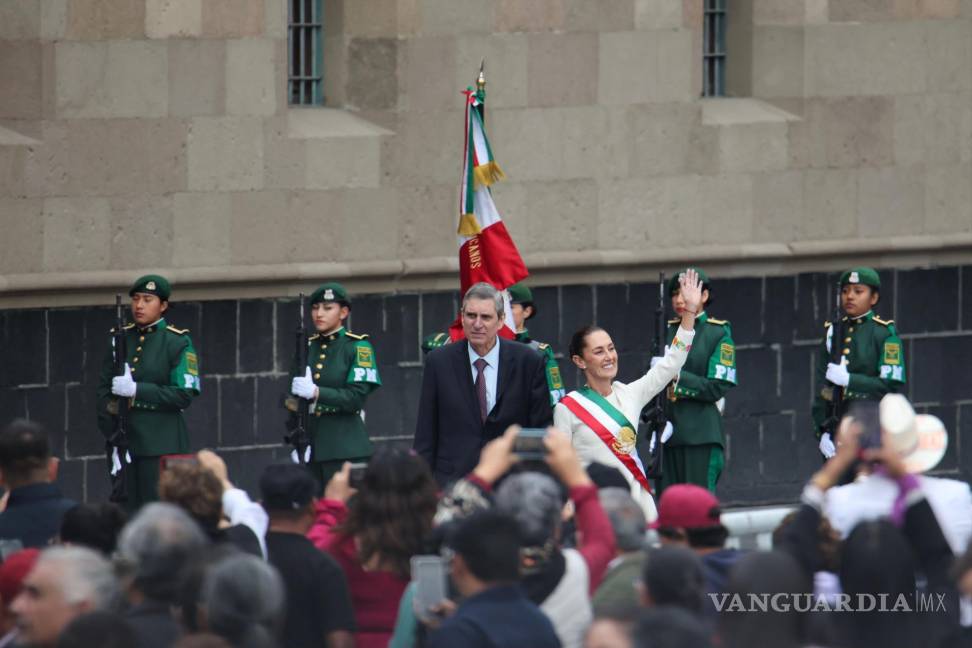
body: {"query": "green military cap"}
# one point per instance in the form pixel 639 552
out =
pixel 153 285
pixel 866 276
pixel 331 292
pixel 520 294
pixel 673 282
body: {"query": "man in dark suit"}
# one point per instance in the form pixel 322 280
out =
pixel 476 388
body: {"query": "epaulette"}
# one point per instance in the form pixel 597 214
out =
pixel 543 346
pixel 355 336
pixel 717 322
pixel 881 321
pixel 675 321
pixel 314 337
pixel 125 328
pixel 177 331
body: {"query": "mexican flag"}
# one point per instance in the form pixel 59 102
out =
pixel 486 250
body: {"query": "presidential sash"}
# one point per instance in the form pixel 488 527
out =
pixel 611 426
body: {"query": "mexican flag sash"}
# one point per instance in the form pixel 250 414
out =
pixel 611 426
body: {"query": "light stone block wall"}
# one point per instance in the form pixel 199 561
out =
pixel 156 134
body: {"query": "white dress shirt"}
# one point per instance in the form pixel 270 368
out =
pixel 490 371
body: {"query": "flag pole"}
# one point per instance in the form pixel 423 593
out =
pixel 481 89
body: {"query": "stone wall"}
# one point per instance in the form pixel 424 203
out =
pixel 140 134
pixel 52 358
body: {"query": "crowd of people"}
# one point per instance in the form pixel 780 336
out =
pixel 537 552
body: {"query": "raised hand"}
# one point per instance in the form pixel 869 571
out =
pixel 690 287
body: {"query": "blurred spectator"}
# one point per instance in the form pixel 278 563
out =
pixel 691 516
pixel 197 491
pixel 375 534
pixel 189 605
pixel 244 601
pixel 962 575
pixel 559 580
pixel 238 509
pixel 672 627
pixel 202 640
pixel 672 576
pixel 921 441
pixel 35 505
pixel 157 546
pixel 825 581
pixel 65 583
pixel 612 627
pixel 881 558
pixel 95 526
pixel 484 566
pixel 12 573
pixel 782 625
pixel 102 629
pixel 318 601
pixel 606 476
pixel 618 590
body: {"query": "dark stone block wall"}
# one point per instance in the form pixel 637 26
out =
pixel 52 358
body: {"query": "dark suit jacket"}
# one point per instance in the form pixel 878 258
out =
pixel 449 433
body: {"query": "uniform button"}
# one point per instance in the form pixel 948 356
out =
pixel 134 359
pixel 137 350
pixel 317 376
pixel 323 356
pixel 141 338
pixel 133 369
pixel 320 366
pixel 851 329
pixel 846 351
pixel 847 339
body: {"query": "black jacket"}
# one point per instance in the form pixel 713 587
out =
pixel 450 433
pixel 34 514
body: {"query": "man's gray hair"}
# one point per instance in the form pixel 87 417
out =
pixel 244 599
pixel 483 290
pixel 157 544
pixel 84 576
pixel 626 516
pixel 536 501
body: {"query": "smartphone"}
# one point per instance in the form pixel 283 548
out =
pixel 867 415
pixel 356 474
pixel 167 461
pixel 529 444
pixel 429 576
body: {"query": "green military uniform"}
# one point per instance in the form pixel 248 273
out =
pixel 345 370
pixel 873 353
pixel 165 367
pixel 521 294
pixel 694 454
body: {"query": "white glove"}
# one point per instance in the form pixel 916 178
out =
pixel 827 448
pixel 116 461
pixel 123 386
pixel 721 405
pixel 656 359
pixel 304 387
pixel 666 435
pixel 837 374
pixel 307 451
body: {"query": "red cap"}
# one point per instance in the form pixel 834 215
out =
pixel 13 571
pixel 687 506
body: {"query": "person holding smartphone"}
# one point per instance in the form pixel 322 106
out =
pixel 602 416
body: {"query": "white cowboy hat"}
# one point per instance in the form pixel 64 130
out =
pixel 920 439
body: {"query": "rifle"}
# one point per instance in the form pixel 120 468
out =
pixel 836 392
pixel 654 413
pixel 118 441
pixel 299 421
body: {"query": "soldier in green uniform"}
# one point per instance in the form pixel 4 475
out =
pixel 522 309
pixel 873 358
pixel 694 452
pixel 161 379
pixel 342 371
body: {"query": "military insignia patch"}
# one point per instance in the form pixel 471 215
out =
pixel 555 377
pixel 366 357
pixel 727 354
pixel 892 353
pixel 854 278
pixel 192 364
pixel 150 285
pixel 329 294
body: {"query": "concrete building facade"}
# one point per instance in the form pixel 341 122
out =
pixel 141 135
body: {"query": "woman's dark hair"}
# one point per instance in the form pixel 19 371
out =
pixel 766 573
pixel 828 540
pixel 672 575
pixel 489 543
pixel 93 525
pixel 391 515
pixel 578 342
